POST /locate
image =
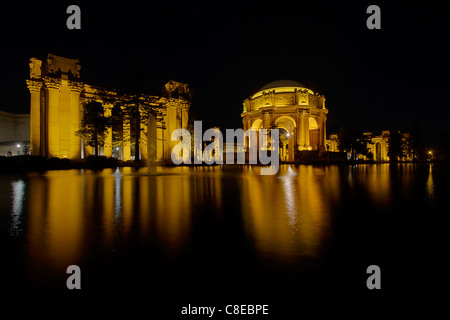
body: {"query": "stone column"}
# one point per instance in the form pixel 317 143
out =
pixel 53 86
pixel 290 155
pixel 323 137
pixel 306 130
pixel 151 138
pixel 301 129
pixel 126 141
pixel 75 89
pixel 35 117
pixel 143 141
pixel 293 138
pixel 184 116
pixel 171 124
pixel 107 147
pixel 160 129
pixel 246 123
pixel 64 119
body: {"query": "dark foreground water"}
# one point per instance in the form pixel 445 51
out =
pixel 215 236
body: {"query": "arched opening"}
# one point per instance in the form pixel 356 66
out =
pixel 284 144
pixel 257 124
pixel 314 132
pixel 286 126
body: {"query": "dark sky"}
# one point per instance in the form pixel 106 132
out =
pixel 373 79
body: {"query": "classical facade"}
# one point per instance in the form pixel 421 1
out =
pixel 377 146
pixel 297 111
pixel 14 133
pixel 57 99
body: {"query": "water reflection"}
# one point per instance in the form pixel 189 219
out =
pixel 430 183
pixel 77 215
pixel 287 216
pixel 289 194
pixel 18 193
pixel 376 180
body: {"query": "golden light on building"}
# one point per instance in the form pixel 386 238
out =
pixel 58 96
pixel 292 107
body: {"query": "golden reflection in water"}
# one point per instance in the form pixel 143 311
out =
pixel 127 202
pixel 173 209
pixel 55 219
pixel 67 206
pixel 377 182
pixel 286 214
pixel 430 183
pixel 108 212
pixel 65 220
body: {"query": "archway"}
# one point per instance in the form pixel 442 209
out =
pixel 257 124
pixel 287 126
pixel 314 132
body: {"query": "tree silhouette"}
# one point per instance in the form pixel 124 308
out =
pixel 353 141
pixel 396 145
pixel 416 143
pixel 136 112
pixel 94 125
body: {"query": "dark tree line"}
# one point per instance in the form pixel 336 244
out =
pixel 95 124
pixel 400 146
pixel 357 142
pixel 354 142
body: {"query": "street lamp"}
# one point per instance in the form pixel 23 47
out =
pixel 18 149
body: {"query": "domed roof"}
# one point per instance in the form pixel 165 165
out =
pixel 282 83
pixel 280 86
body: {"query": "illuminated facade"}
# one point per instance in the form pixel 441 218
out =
pixel 377 146
pixel 57 99
pixel 14 133
pixel 297 111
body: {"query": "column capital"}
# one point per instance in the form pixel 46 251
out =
pixel 34 85
pixel 52 83
pixel 76 87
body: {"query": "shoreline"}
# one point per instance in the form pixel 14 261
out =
pixel 36 163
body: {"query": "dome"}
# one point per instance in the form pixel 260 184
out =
pixel 282 86
pixel 282 83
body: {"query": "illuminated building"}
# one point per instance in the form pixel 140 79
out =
pixel 297 111
pixel 14 132
pixel 377 146
pixel 57 98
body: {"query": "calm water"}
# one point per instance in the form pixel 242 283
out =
pixel 217 234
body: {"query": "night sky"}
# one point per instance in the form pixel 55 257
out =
pixel 373 79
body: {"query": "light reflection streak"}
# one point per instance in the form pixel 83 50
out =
pixel 289 192
pixel 117 192
pixel 430 183
pixel 18 192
